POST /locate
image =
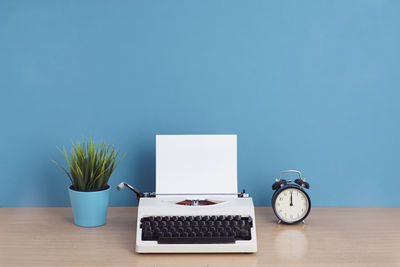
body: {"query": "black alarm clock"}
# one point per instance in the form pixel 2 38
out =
pixel 290 202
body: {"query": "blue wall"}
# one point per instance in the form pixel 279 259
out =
pixel 310 85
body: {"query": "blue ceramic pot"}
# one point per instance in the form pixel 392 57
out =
pixel 89 208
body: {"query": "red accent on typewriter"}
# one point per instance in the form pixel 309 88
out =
pixel 196 203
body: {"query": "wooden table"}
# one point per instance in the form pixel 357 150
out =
pixel 331 236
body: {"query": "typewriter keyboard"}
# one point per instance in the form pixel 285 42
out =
pixel 196 229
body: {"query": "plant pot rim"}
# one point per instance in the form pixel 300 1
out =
pixel 107 187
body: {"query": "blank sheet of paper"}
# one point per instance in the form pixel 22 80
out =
pixel 196 164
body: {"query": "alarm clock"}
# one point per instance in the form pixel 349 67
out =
pixel 290 202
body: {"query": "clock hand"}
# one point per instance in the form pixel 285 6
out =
pixel 291 198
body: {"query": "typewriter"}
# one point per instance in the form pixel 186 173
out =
pixel 196 207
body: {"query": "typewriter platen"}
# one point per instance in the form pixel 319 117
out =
pixel 214 221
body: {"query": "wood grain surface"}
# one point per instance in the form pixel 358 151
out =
pixel 330 237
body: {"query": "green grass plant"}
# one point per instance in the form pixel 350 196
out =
pixel 90 165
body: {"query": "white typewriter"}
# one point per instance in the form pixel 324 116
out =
pixel 196 207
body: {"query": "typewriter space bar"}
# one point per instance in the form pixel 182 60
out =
pixel 195 240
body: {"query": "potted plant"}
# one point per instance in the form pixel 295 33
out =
pixel 90 168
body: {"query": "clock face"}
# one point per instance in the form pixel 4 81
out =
pixel 291 205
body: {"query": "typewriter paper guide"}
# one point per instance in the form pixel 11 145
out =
pixel 196 164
